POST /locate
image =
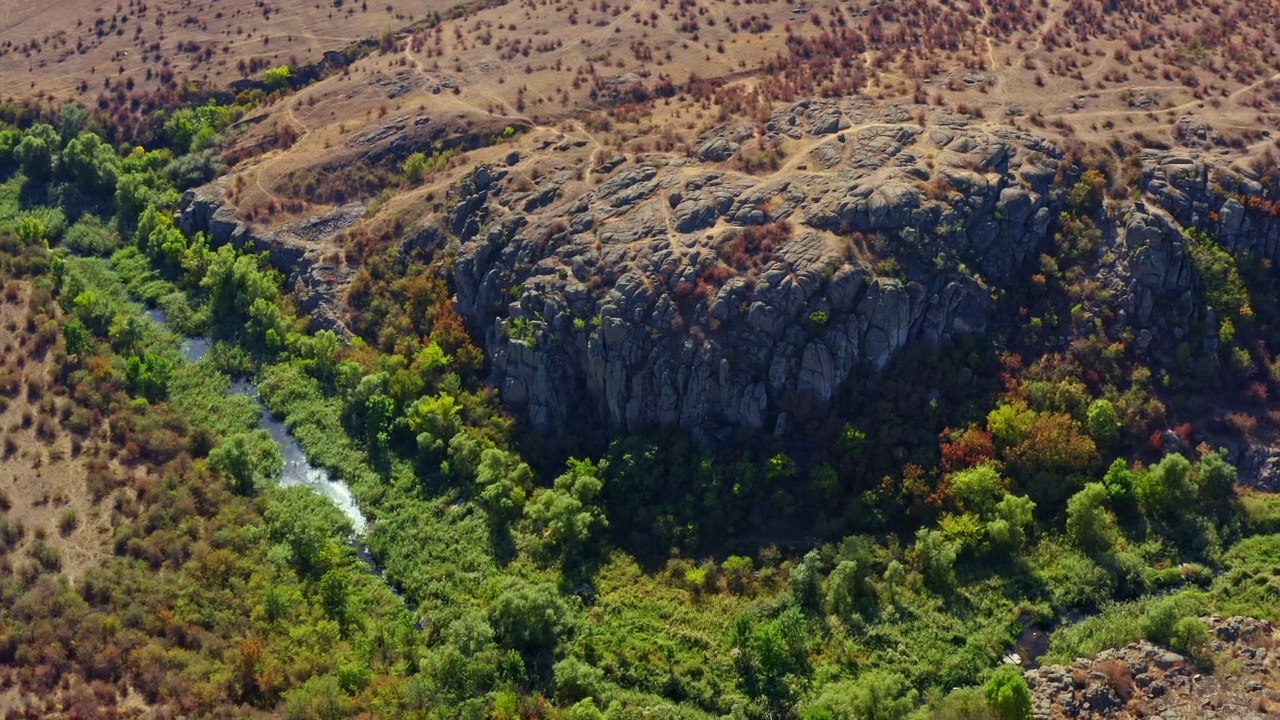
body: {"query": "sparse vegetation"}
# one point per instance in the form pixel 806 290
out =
pixel 875 552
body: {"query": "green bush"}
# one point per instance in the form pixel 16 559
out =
pixel 576 680
pixel 1007 693
pixel 1090 525
pixel 529 618
pixel 1072 579
pixel 968 703
pixel 251 459
pixel 90 236
pixel 875 695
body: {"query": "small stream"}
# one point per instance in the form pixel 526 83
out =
pixel 1034 640
pixel 297 470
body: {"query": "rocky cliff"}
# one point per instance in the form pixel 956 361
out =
pixel 633 299
pixel 736 286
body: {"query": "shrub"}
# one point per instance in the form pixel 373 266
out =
pixel 755 246
pixel 1007 693
pixel 46 555
pixel 67 521
pixel 90 236
pixel 1073 579
pixel 737 571
pixel 277 78
pixel 1189 637
pixel 576 680
pixel 875 694
pixel 1160 621
pixel 1090 524
pixel 11 532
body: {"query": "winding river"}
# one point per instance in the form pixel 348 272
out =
pixel 297 470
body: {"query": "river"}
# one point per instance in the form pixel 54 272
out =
pixel 297 470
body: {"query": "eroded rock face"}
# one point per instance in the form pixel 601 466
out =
pixel 615 304
pixel 634 307
pixel 662 291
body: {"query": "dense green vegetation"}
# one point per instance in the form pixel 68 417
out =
pixel 620 586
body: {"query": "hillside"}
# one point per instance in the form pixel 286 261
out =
pixel 699 359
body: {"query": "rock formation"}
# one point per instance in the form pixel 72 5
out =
pixel 1144 680
pixel 670 291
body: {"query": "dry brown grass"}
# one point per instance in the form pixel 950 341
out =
pixel 56 47
pixel 43 477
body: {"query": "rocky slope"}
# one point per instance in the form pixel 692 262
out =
pixel 1143 680
pixel 682 291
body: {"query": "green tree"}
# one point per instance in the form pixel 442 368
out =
pixel 936 557
pixel 133 196
pixel 320 352
pixel 31 230
pixel 96 312
pixel 471 633
pixel 335 588
pixel 379 412
pixel 1090 524
pixel 875 695
pixel 1007 693
pixel 435 420
pixel 1119 482
pixel 806 580
pixel 737 571
pixel 529 618
pixel 1010 423
pixel 1086 194
pixel 576 680
pixel 251 459
pixel 415 167
pixel 894 581
pixel 35 153
pixel 243 296
pixel 781 467
pixel 567 515
pixel 584 709
pixel 71 122
pixel 1167 487
pixel 1102 422
pixel 977 488
pixel 277 78
pixel 91 164
pixel 502 479
pixel 180 129
pixel 9 140
pixel 1216 478
pixel 319 698
pixel 847 589
pixel 149 375
pixel 1014 515
pixel 127 332
pixel 77 338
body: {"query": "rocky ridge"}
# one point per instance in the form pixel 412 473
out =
pixel 668 291
pixel 614 310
